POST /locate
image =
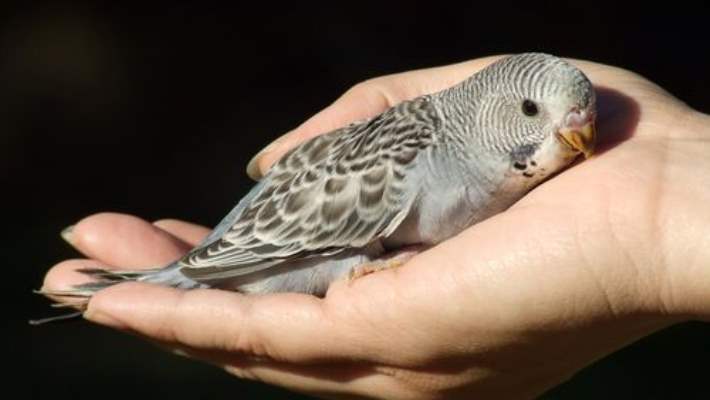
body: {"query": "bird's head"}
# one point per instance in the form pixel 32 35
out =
pixel 536 109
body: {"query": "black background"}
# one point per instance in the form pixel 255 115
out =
pixel 155 109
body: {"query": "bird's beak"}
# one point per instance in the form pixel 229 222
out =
pixel 581 138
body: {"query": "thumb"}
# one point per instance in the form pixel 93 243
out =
pixel 365 100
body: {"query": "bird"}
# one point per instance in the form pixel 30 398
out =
pixel 369 195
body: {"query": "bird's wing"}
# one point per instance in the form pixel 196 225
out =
pixel 340 190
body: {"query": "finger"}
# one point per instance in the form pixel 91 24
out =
pixel 331 379
pixel 188 232
pixel 285 327
pixel 366 100
pixel 125 241
pixel 348 381
pixel 361 102
pixel 121 241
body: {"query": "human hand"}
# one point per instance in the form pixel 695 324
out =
pixel 607 252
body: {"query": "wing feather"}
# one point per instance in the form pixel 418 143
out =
pixel 340 190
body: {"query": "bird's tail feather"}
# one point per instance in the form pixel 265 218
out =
pixel 81 294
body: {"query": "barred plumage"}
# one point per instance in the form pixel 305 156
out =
pixel 416 174
pixel 339 190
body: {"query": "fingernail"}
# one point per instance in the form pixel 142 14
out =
pixel 181 353
pixel 68 234
pixel 253 166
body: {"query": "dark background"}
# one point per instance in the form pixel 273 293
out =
pixel 117 107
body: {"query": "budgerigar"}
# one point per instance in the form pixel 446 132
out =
pixel 346 202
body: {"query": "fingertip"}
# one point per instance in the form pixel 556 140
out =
pixel 87 231
pixel 262 162
pixel 257 166
pixel 253 169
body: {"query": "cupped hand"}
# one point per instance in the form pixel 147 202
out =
pixel 608 251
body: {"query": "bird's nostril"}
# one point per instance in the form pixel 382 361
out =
pixel 577 117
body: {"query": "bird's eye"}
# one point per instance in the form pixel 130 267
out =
pixel 530 108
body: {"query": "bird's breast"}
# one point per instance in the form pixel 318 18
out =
pixel 450 198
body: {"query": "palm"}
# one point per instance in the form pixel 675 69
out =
pixel 478 313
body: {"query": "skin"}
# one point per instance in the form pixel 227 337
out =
pixel 607 252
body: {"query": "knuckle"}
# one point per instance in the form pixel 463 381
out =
pixel 361 87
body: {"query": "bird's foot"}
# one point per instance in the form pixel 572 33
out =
pixel 394 260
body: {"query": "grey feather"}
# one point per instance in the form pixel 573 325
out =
pixel 416 174
pixel 340 190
